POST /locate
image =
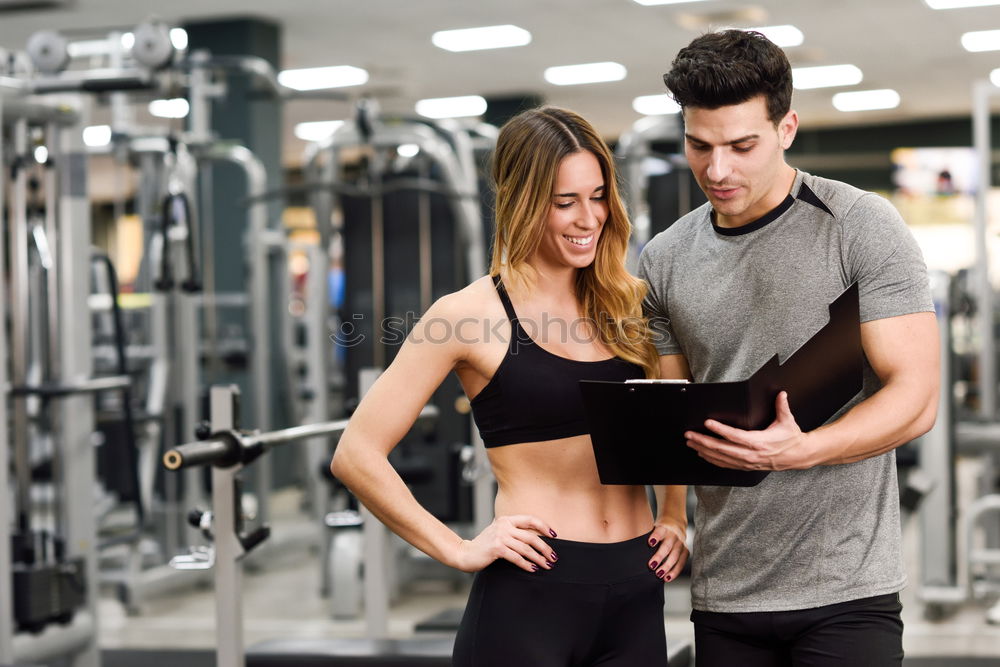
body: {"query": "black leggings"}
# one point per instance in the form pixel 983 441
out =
pixel 859 633
pixel 599 605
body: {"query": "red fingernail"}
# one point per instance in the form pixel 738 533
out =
pixel 548 564
pixel 652 541
pixel 534 568
pixel 652 566
pixel 668 577
pixel 552 532
pixel 554 557
pixel 660 574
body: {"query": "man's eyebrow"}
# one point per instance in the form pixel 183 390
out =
pixel 574 194
pixel 749 137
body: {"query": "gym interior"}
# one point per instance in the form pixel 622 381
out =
pixel 220 219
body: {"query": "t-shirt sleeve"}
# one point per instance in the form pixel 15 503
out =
pixel 654 306
pixel 882 256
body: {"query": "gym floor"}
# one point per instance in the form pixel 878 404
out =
pixel 281 600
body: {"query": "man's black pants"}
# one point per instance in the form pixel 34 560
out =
pixel 859 633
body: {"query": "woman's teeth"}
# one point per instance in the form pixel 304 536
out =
pixel 579 240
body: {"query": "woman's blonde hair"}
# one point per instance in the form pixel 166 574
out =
pixel 526 161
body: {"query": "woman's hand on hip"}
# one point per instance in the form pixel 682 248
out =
pixel 515 538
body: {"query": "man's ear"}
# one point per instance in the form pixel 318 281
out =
pixel 787 128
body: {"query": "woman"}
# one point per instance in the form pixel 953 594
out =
pixel 569 572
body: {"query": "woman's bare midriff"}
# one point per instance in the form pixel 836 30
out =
pixel 557 482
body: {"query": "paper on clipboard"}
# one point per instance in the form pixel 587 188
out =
pixel 637 427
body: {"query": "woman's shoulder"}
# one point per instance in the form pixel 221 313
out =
pixel 477 300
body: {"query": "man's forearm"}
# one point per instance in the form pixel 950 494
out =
pixel 895 415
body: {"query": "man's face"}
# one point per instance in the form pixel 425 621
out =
pixel 737 156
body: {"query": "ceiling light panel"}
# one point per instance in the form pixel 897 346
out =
pixel 650 3
pixel 782 35
pixel 959 4
pixel 477 39
pixel 174 108
pixel 179 38
pixel 97 135
pixel 981 40
pixel 655 105
pixel 452 107
pixel 316 130
pixel 572 75
pixel 866 100
pixel 825 76
pixel 318 78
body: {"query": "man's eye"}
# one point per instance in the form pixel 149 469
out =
pixel 742 149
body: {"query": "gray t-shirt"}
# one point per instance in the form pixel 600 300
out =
pixel 729 299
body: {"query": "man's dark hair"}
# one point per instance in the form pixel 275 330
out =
pixel 730 67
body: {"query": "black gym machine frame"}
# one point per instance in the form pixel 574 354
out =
pixel 228 450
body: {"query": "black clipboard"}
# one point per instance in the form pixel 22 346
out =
pixel 637 428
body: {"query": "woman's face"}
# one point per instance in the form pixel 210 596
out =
pixel 577 213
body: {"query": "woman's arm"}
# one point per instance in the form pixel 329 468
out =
pixel 670 530
pixel 381 420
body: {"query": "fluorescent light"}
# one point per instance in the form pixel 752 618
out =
pixel 179 38
pixel 981 40
pixel 97 135
pixel 571 75
pixel 995 77
pixel 783 35
pixel 649 3
pixel 958 4
pixel 316 78
pixel 317 130
pixel 452 107
pixel 866 100
pixel 128 41
pixel 475 39
pixel 41 154
pixel 407 150
pixel 177 107
pixel 88 47
pixel 655 105
pixel 825 76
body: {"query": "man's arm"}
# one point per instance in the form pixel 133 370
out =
pixel 670 529
pixel 904 353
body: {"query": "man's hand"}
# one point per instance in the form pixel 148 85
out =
pixel 781 446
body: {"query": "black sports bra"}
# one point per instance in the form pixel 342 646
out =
pixel 534 394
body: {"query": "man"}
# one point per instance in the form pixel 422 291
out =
pixel 805 568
